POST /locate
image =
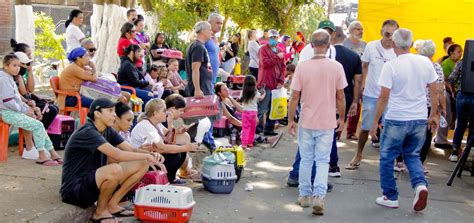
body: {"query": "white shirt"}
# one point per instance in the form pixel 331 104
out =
pixel 73 37
pixel 376 56
pixel 253 52
pixel 145 132
pixel 253 104
pixel 308 52
pixel 407 77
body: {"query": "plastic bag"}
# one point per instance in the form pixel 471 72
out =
pixel 279 106
pixel 220 158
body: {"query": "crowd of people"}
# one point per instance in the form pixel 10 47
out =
pixel 333 80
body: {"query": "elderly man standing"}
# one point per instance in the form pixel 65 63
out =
pixel 197 58
pixel 271 76
pixel 376 54
pixel 317 117
pixel 404 81
pixel 355 43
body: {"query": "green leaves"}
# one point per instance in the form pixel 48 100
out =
pixel 47 42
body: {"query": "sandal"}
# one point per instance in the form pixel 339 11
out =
pixel 48 163
pixel 99 220
pixel 124 213
pixel 352 166
pixel 59 160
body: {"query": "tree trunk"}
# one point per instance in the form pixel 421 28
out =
pixel 330 7
pixel 107 19
pixel 24 19
pixel 224 23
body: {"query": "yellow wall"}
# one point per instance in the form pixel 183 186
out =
pixel 428 19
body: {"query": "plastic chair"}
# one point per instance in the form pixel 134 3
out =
pixel 4 135
pixel 132 90
pixel 54 82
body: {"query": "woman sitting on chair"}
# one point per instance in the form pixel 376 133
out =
pixel 81 69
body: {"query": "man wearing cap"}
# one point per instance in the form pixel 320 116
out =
pixel 81 69
pixel 271 76
pixel 308 52
pixel 87 177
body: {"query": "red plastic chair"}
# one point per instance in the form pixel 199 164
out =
pixel 4 135
pixel 131 89
pixel 54 81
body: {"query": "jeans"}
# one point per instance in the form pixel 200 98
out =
pixel 465 115
pixel 314 146
pixel 406 138
pixel 208 138
pixel 72 101
pixel 264 108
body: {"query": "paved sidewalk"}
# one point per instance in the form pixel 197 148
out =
pixel 29 192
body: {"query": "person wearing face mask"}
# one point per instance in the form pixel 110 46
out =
pixel 271 76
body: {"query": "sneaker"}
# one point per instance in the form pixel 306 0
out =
pixel 318 206
pixel 291 182
pixel 178 182
pixel 421 198
pixel 330 187
pixel 304 201
pixel 376 144
pixel 399 167
pixel 384 201
pixel 453 157
pixel 334 171
pixel 31 154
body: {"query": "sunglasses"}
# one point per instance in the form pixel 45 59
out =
pixel 133 31
pixel 387 34
pixel 27 64
pixel 92 50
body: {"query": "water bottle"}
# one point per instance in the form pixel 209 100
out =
pixel 442 122
pixel 233 137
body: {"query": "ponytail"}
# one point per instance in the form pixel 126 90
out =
pixel 18 47
pixel 73 14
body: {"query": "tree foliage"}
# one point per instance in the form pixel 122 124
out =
pixel 47 42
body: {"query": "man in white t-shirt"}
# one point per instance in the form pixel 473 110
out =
pixel 375 55
pixel 404 81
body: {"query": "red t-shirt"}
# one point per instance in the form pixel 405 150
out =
pixel 123 43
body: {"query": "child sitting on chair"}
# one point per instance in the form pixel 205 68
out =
pixel 17 113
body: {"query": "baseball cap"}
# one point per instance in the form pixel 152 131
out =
pixel 327 24
pixel 272 33
pixel 100 103
pixel 23 57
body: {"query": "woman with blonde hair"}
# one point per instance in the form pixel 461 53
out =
pixel 150 130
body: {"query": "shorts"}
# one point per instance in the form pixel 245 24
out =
pixel 369 108
pixel 84 192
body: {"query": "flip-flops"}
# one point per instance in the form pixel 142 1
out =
pixel 99 220
pixel 352 166
pixel 123 213
pixel 59 160
pixel 48 163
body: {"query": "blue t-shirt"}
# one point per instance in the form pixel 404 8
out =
pixel 213 51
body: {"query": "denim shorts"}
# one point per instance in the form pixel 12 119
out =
pixel 369 108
